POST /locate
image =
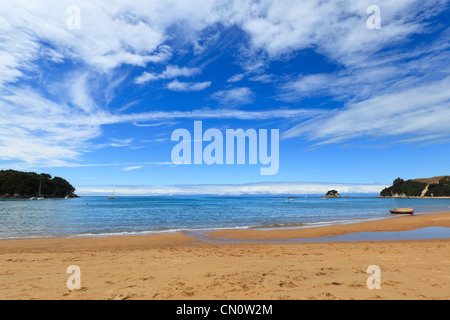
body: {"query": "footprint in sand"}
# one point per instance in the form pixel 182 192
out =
pixel 285 284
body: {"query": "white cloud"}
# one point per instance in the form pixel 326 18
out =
pixel 236 78
pixel 51 54
pixel 234 97
pixel 423 111
pixel 306 86
pixel 39 132
pixel 170 73
pixel 34 129
pixel 335 28
pixel 212 114
pixel 274 188
pixel 132 168
pixel 117 143
pixel 188 86
pixel 112 34
pixel 384 73
pixel 264 78
pixel 58 126
pixel 106 40
pixel 80 95
pixel 158 124
pixel 135 33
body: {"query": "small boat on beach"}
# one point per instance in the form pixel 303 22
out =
pixel 401 210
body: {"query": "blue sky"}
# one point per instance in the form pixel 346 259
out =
pixel 355 107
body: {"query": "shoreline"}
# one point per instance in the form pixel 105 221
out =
pixel 276 227
pixel 400 223
pixel 206 228
pixel 279 231
pixel 397 223
pixel 176 266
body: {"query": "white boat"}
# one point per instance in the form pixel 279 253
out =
pixel 400 210
pixel 289 200
pixel 39 197
pixel 113 195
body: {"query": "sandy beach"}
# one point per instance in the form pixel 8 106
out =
pixel 176 266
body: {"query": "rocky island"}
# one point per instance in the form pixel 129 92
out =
pixel 332 194
pixel 17 184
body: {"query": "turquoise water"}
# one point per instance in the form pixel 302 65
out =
pixel 99 216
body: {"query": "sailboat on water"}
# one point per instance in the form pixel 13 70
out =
pixel 39 197
pixel 401 210
pixel 113 195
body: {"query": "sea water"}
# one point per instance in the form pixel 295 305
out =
pixel 100 216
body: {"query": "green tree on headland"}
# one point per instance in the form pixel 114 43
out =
pixel 413 188
pixel 441 189
pixel 398 181
pixel 26 184
pixel 408 188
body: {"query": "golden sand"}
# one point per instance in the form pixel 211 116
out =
pixel 176 266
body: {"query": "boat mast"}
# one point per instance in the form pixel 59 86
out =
pixel 393 203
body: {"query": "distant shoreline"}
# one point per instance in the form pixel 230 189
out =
pixel 28 197
pixel 414 197
pixel 301 197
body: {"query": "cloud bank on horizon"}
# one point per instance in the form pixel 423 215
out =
pixel 311 67
pixel 251 189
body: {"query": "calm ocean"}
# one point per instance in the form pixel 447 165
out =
pixel 99 216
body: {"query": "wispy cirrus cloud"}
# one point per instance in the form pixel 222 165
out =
pixel 236 78
pixel 169 73
pixel 132 168
pixel 384 73
pixel 234 97
pixel 418 113
pixel 40 132
pixel 51 124
pixel 332 28
pixel 188 86
pixel 399 96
